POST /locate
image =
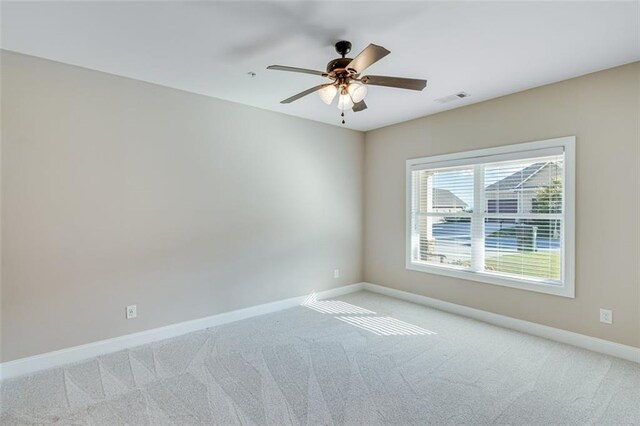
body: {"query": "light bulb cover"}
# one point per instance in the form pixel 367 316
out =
pixel 327 94
pixel 357 91
pixel 345 102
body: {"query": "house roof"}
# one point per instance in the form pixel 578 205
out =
pixel 445 198
pixel 520 179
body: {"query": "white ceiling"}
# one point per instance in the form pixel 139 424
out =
pixel 487 49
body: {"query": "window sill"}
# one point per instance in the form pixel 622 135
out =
pixel 495 279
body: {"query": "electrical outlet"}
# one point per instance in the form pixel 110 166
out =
pixel 336 273
pixel 132 311
pixel 606 316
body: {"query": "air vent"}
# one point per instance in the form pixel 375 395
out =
pixel 450 98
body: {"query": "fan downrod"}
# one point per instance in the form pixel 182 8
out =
pixel 343 47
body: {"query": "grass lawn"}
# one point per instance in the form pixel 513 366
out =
pixel 537 264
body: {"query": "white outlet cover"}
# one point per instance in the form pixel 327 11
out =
pixel 606 316
pixel 336 273
pixel 132 311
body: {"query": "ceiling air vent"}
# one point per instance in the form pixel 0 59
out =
pixel 450 98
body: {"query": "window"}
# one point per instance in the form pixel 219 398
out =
pixel 501 215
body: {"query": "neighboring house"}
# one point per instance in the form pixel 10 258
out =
pixel 516 193
pixel 445 201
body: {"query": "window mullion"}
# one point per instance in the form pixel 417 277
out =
pixel 477 220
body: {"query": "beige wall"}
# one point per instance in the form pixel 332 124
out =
pixel 116 191
pixel 602 110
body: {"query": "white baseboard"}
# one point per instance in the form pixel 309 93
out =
pixel 595 344
pixel 48 360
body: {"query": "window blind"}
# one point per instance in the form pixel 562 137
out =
pixel 444 203
pixel 523 217
pixel 502 216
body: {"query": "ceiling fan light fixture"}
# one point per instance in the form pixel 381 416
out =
pixel 346 78
pixel 327 94
pixel 357 91
pixel 345 102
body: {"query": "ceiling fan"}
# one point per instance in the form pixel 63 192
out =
pixel 345 75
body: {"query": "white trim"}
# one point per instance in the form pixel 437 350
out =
pixel 569 208
pixel 477 223
pixel 566 145
pixel 53 359
pixel 630 353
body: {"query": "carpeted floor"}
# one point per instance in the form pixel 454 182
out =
pixel 364 360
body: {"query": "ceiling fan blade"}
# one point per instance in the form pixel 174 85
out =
pixel 359 106
pixel 294 69
pixel 397 82
pixel 369 56
pixel 305 93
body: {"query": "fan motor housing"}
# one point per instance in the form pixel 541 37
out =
pixel 338 65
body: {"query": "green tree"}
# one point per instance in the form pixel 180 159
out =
pixel 548 200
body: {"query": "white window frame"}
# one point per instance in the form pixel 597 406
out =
pixel 566 287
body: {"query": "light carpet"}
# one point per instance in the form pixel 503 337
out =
pixel 364 359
